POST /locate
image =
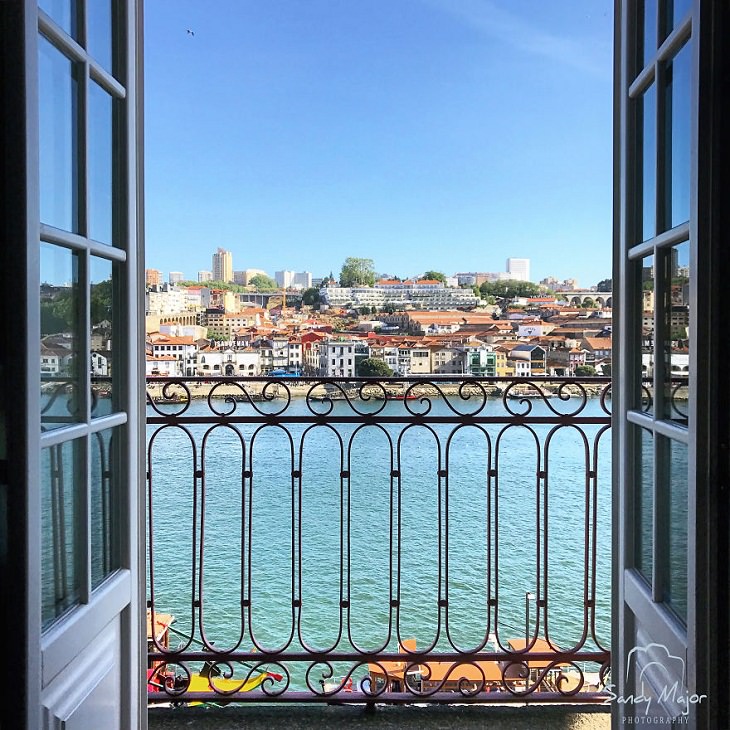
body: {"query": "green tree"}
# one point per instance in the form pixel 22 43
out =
pixel 436 275
pixel 101 301
pixel 585 370
pixel 510 288
pixel 605 285
pixel 310 297
pixel 59 313
pixel 588 303
pixel 262 282
pixel 373 309
pixel 357 272
pixel 373 367
pixel 364 310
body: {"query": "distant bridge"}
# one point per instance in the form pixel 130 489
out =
pixel 578 297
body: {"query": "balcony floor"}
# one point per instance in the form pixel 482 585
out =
pixel 309 717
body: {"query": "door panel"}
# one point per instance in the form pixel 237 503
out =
pixel 88 693
pixel 658 456
pixel 78 252
pixel 670 389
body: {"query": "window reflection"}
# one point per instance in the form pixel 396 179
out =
pixel 648 38
pixel 647 184
pixel 677 499
pixel 644 502
pixel 104 505
pixel 102 317
pixel 647 335
pixel 99 31
pixel 674 12
pixel 59 131
pixel 678 120
pixel 61 520
pixel 63 13
pixel 101 164
pixel 60 337
pixel 677 342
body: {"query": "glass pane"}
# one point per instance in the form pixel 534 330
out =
pixel 676 345
pixel 646 192
pixel 644 502
pixel 58 149
pixel 61 522
pixel 101 164
pixel 104 505
pixel 102 313
pixel 674 12
pixel 99 31
pixel 60 299
pixel 649 35
pixel 676 581
pixel 648 342
pixel 677 163
pixel 63 13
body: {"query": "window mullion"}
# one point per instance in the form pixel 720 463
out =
pixel 83 549
pixel 84 546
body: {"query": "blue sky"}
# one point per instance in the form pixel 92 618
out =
pixel 424 134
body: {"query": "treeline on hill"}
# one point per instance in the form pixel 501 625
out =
pixel 510 288
pixel 57 307
pixel 260 282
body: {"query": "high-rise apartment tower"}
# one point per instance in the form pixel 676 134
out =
pixel 223 265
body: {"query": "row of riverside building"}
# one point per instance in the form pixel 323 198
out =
pixel 538 341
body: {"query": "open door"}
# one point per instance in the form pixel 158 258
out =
pixel 71 382
pixel 669 386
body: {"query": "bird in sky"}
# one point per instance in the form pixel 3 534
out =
pixel 190 32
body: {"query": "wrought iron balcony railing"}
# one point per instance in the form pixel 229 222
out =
pixel 389 540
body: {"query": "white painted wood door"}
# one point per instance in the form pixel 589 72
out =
pixel 663 363
pixel 84 420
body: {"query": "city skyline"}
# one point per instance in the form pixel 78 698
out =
pixel 518 269
pixel 296 135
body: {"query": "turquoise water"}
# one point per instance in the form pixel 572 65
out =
pixel 454 517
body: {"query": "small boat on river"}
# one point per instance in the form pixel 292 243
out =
pixel 530 393
pixel 166 685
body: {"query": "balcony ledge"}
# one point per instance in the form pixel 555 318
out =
pixel 306 717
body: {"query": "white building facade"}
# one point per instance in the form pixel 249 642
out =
pixel 518 269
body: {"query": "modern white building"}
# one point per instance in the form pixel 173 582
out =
pixel 518 269
pixel 284 279
pixel 293 279
pixel 302 280
pixel 205 276
pixel 175 277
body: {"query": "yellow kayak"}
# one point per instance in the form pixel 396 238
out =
pixel 199 683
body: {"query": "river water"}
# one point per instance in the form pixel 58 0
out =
pixel 486 529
